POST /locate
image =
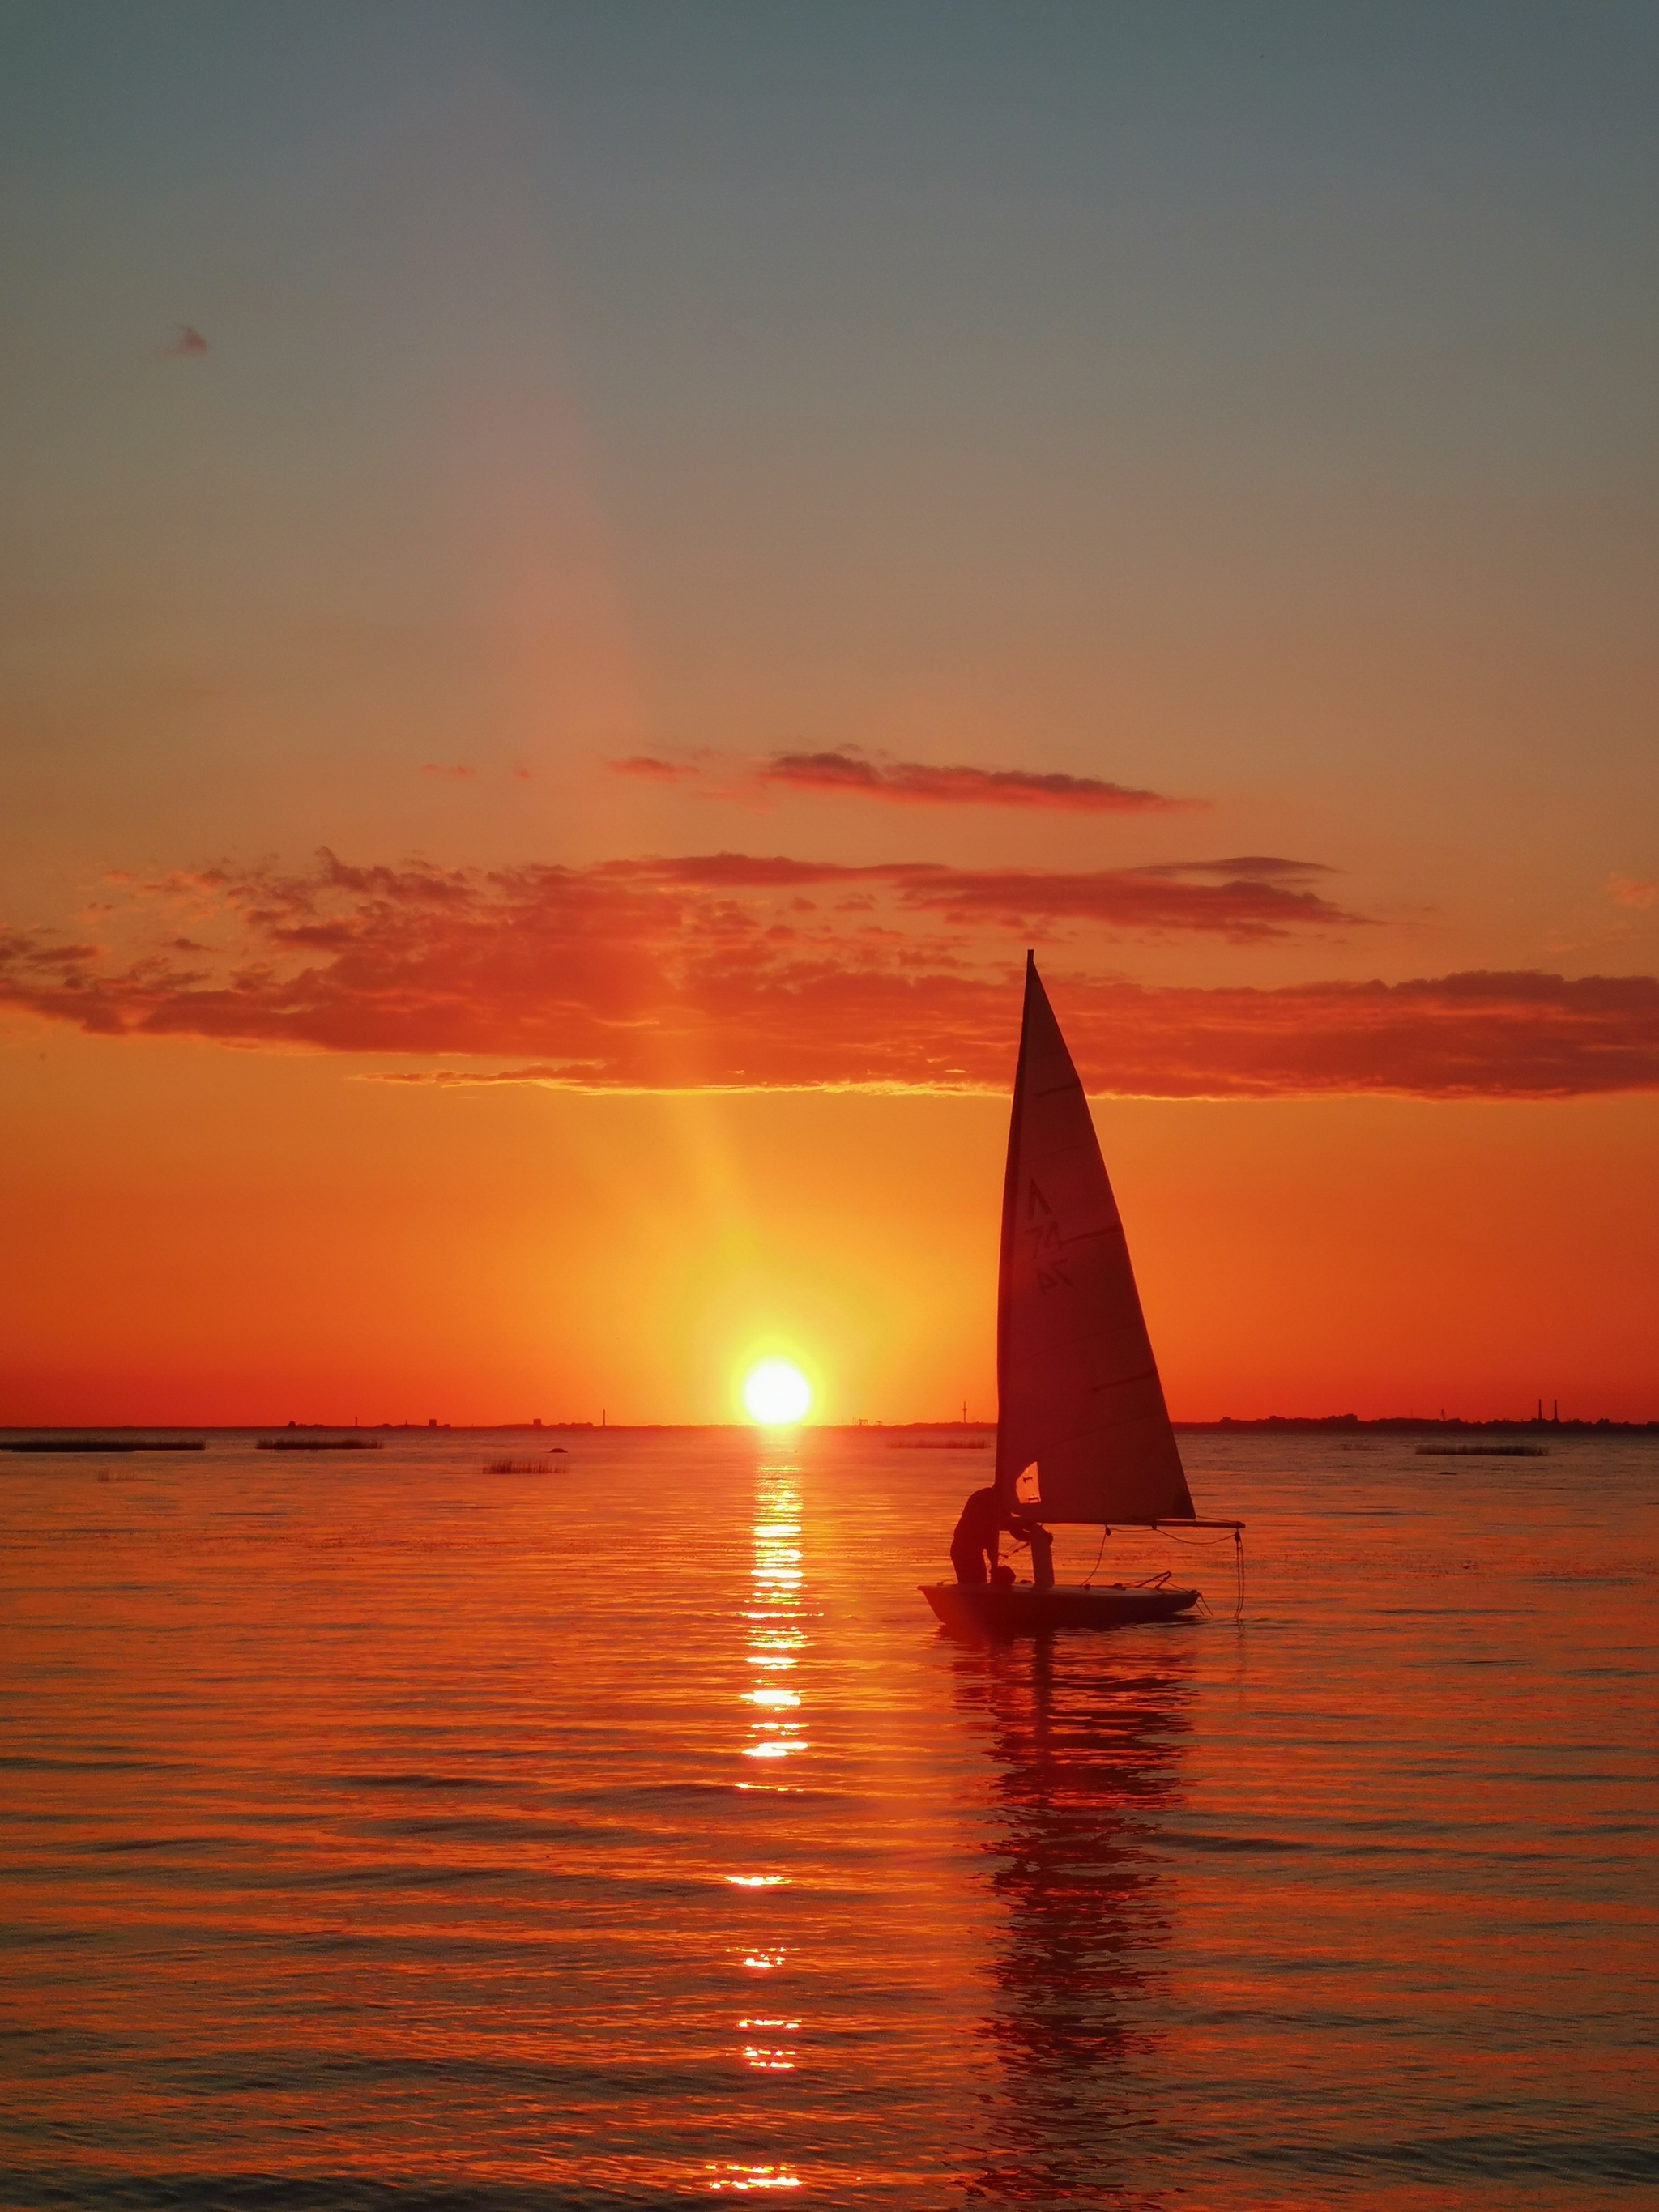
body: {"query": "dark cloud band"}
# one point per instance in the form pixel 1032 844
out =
pixel 728 970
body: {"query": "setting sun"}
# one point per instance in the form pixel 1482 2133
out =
pixel 776 1393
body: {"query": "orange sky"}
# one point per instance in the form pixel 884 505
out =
pixel 227 1236
pixel 574 600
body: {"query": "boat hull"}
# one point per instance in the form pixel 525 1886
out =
pixel 981 1609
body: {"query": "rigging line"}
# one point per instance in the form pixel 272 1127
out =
pixel 1104 1533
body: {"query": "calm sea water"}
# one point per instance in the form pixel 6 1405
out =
pixel 379 1831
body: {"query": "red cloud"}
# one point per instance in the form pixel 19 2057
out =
pixel 846 773
pixel 913 783
pixel 1264 867
pixel 1140 902
pixel 443 767
pixel 1131 902
pixel 187 343
pixel 707 972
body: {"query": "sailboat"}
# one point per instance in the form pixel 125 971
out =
pixel 1079 1400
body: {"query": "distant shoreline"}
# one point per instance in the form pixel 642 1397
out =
pixel 1418 1424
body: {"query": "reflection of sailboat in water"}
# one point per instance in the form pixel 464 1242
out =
pixel 1079 1400
pixel 1086 1763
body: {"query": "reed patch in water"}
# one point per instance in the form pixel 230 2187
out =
pixel 317 1444
pixel 1483 1451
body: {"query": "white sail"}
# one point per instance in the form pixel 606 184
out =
pixel 1078 1386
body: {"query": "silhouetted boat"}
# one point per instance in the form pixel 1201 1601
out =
pixel 1079 1401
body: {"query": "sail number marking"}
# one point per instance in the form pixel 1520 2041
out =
pixel 1043 1231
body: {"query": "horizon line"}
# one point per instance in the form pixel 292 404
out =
pixel 536 1427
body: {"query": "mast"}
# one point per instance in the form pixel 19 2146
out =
pixel 1007 1476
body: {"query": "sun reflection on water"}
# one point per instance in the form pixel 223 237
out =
pixel 775 1734
pixel 775 1637
pixel 769 2057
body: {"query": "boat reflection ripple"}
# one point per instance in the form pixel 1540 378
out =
pixel 1086 1745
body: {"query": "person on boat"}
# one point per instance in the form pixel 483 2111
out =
pixel 976 1537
